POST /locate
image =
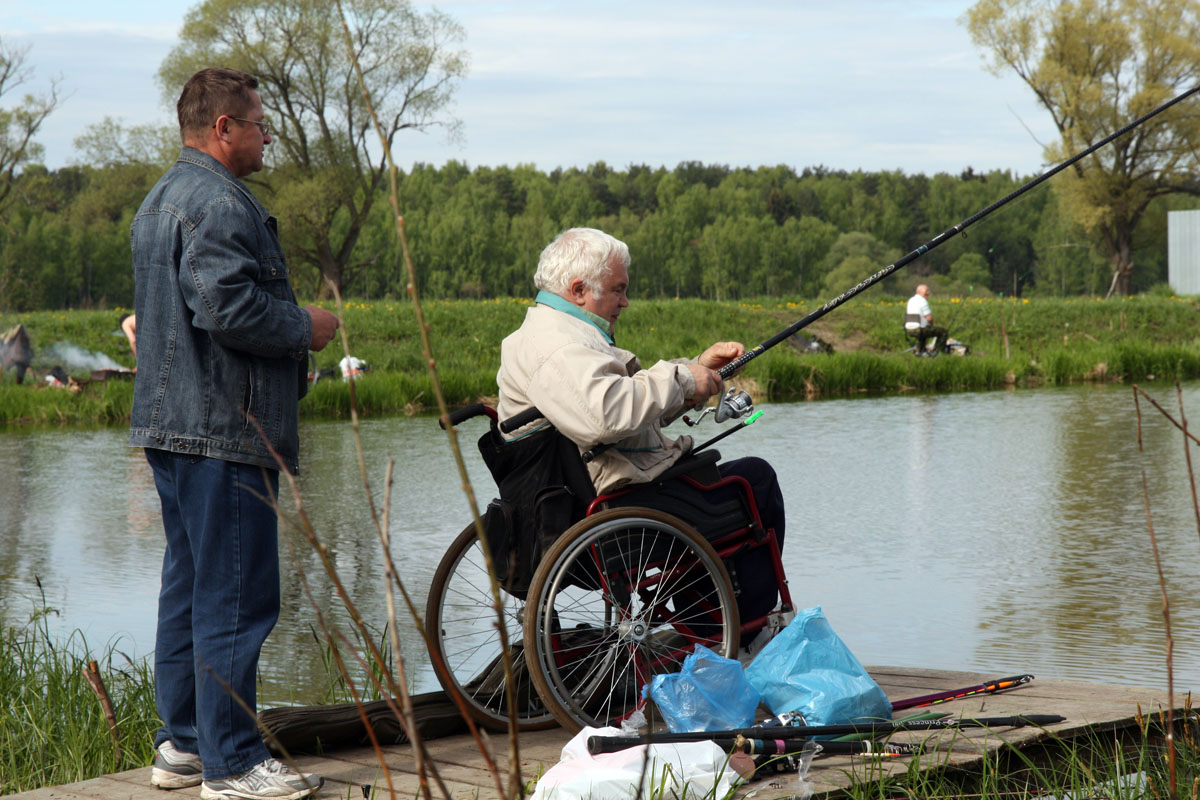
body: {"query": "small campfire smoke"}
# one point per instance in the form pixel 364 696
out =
pixel 74 357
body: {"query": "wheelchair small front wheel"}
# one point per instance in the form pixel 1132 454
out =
pixel 463 636
pixel 619 597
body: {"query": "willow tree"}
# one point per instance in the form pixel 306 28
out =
pixel 326 163
pixel 19 123
pixel 1096 65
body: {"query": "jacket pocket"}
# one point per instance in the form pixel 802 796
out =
pixel 273 276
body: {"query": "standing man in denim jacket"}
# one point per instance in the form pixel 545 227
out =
pixel 222 353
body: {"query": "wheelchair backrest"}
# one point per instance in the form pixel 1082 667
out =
pixel 544 489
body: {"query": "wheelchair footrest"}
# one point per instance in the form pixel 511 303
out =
pixel 777 620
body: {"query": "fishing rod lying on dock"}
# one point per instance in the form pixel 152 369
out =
pixel 788 747
pixel 732 367
pixel 611 744
pixel 990 687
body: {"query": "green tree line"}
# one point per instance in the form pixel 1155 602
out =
pixel 698 230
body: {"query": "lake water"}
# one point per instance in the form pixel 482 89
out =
pixel 1001 532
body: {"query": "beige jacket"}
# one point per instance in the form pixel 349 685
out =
pixel 594 392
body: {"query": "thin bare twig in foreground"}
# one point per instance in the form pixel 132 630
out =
pixel 332 637
pixel 516 787
pixel 1166 612
pixel 395 688
pixel 1139 390
pixel 303 525
pixel 1162 581
pixel 1137 408
pixel 322 550
pixel 381 522
pixel 1187 452
pixel 267 734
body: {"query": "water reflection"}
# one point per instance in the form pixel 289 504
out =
pixel 1092 567
pixel 1001 532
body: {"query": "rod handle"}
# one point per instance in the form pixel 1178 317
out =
pixel 612 744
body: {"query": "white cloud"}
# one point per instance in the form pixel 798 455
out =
pixel 871 84
pixel 162 31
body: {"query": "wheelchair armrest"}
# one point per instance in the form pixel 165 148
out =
pixel 692 462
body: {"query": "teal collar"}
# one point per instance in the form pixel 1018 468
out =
pixel 567 307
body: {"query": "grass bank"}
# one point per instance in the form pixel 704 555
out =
pixel 1128 766
pixel 53 729
pixel 1014 342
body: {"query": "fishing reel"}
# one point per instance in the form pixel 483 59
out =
pixel 735 404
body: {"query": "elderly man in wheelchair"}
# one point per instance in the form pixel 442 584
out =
pixel 617 548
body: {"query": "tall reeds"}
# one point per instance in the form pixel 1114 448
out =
pixel 53 730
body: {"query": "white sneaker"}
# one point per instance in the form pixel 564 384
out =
pixel 270 780
pixel 175 769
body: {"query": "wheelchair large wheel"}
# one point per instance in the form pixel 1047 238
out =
pixel 620 597
pixel 461 622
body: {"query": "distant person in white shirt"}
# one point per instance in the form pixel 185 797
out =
pixel 918 322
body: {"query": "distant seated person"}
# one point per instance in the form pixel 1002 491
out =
pixel 564 361
pixel 129 328
pixel 918 322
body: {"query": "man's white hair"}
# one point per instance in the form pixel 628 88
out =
pixel 584 253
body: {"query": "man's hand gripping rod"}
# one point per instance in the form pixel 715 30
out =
pixel 732 367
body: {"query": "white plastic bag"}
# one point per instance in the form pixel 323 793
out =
pixel 691 770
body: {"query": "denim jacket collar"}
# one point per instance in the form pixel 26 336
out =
pixel 190 155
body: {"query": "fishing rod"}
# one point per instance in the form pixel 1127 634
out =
pixel 990 687
pixel 788 747
pixel 732 367
pixel 611 744
pixel 730 430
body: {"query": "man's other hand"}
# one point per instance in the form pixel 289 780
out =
pixel 324 326
pixel 721 354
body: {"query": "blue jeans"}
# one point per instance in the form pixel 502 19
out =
pixel 218 601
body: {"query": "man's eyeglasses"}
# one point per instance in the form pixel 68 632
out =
pixel 262 124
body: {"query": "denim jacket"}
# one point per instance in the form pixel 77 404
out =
pixel 222 344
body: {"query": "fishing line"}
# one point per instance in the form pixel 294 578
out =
pixel 733 366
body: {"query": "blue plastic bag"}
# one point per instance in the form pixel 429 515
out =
pixel 709 693
pixel 807 668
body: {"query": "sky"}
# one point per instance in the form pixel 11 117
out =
pixel 844 84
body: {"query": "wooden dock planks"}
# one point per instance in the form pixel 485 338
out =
pixel 1090 708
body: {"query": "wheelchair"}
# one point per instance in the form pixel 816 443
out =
pixel 598 593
